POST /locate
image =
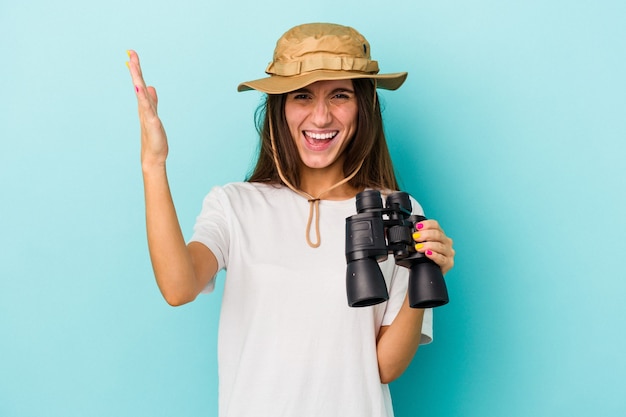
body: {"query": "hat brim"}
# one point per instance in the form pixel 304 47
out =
pixel 277 84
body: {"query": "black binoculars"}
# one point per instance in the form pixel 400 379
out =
pixel 370 238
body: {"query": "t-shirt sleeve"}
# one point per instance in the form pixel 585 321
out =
pixel 211 229
pixel 397 294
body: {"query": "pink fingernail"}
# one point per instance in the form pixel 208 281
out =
pixel 419 226
pixel 429 252
pixel 136 89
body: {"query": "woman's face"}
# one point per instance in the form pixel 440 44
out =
pixel 322 119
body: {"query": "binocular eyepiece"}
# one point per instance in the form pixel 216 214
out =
pixel 370 237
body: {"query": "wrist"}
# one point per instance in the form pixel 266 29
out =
pixel 152 168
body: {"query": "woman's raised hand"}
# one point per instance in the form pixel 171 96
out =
pixel 153 138
pixel 433 242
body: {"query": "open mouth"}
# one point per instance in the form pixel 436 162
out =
pixel 320 136
pixel 319 139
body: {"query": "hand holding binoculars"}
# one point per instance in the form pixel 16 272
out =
pixel 372 234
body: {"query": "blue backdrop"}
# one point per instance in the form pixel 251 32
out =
pixel 510 131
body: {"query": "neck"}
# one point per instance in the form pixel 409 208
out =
pixel 318 183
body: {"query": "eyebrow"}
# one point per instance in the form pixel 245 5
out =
pixel 335 91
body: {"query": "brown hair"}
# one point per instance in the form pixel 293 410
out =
pixel 368 145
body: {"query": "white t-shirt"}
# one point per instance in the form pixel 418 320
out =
pixel 288 344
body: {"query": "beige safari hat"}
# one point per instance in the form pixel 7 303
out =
pixel 319 52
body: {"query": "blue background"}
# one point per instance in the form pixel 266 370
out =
pixel 510 131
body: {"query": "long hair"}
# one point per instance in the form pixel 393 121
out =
pixel 368 144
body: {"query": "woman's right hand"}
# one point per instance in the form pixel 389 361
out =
pixel 154 147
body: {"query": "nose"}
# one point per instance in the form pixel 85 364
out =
pixel 321 115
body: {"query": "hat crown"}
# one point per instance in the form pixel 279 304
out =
pixel 321 46
pixel 315 52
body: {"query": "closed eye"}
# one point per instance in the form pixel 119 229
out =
pixel 300 95
pixel 342 94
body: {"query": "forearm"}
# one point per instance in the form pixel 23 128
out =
pixel 398 343
pixel 171 260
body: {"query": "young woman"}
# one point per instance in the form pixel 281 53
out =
pixel 289 344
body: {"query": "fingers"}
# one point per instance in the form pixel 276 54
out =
pixel 135 69
pixel 146 96
pixel 154 148
pixel 429 232
pixel 431 240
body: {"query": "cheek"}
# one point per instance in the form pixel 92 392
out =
pixel 350 118
pixel 293 120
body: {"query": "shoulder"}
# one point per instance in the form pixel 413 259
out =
pixel 417 207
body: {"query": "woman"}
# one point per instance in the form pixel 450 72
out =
pixel 289 345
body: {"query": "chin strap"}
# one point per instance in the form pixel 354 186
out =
pixel 314 202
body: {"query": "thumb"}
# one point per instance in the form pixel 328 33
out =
pixel 153 95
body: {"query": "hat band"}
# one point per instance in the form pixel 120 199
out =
pixel 314 63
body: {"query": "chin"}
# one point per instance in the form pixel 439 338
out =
pixel 318 163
